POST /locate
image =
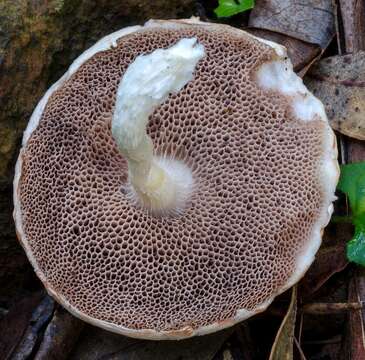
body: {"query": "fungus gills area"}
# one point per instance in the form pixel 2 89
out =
pixel 162 185
pixel 256 201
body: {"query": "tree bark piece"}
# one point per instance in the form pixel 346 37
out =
pixel 353 21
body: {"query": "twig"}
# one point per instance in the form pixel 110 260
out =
pixel 335 340
pixel 330 308
pixel 300 329
pixel 301 353
pixel 342 146
pixel 316 309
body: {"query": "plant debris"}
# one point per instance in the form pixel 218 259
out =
pixel 229 8
pixel 329 320
pixel 283 345
pixel 312 21
pixel 339 81
pixel 352 183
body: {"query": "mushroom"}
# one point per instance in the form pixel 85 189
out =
pixel 240 152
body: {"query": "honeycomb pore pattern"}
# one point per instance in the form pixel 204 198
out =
pixel 255 203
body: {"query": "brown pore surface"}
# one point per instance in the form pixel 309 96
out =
pixel 256 199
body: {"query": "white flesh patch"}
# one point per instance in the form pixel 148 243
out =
pixel 279 76
pixel 161 186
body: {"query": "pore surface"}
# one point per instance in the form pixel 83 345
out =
pixel 257 191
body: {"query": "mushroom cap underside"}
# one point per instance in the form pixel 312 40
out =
pixel 264 184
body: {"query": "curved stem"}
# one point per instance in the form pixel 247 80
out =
pixel 146 84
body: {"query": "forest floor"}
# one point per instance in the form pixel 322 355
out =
pixel 322 317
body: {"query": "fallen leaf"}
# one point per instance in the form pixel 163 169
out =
pixel 355 150
pixel 40 317
pixel 300 52
pixel 311 21
pixel 282 348
pixel 60 336
pixel 305 69
pixel 339 81
pixel 14 324
pixel 329 261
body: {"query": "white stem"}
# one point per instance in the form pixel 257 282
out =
pixel 159 185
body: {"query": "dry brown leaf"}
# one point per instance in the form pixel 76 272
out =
pixel 282 348
pixel 355 151
pixel 339 81
pixel 14 324
pixel 306 68
pixel 60 336
pixel 329 261
pixel 40 317
pixel 300 52
pixel 311 21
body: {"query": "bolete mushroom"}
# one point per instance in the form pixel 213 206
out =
pixel 174 215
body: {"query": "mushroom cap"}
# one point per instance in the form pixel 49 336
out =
pixel 264 162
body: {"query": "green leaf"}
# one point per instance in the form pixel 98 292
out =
pixel 229 8
pixel 356 247
pixel 352 183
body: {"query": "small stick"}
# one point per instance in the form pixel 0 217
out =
pixel 301 353
pixel 300 329
pixel 335 340
pixel 330 308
